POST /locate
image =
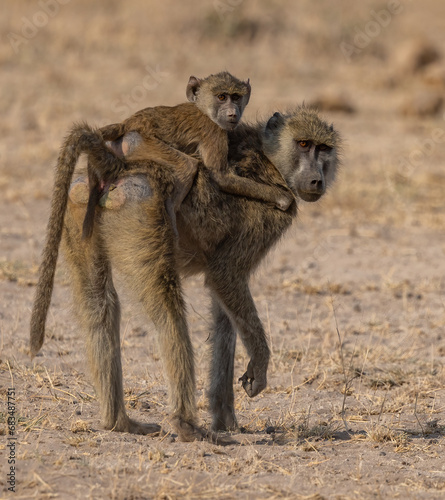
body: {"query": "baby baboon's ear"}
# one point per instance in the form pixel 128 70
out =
pixel 192 88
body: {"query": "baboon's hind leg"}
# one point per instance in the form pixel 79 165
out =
pixel 141 243
pixel 97 307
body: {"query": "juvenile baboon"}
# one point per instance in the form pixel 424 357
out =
pixel 197 127
pixel 137 241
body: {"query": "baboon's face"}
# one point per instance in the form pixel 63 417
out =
pixel 309 176
pixel 223 102
pixel 303 148
pixel 227 109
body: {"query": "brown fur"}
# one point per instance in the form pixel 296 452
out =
pixel 223 236
pixel 198 127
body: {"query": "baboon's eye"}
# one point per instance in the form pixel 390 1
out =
pixel 324 147
pixel 236 97
pixel 304 144
pixel 222 97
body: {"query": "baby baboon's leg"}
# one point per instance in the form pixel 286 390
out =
pixel 234 296
pixel 139 145
pixel 223 340
pixel 97 307
pixel 135 146
pixel 141 245
pixel 113 131
pixel 155 150
pixel 185 169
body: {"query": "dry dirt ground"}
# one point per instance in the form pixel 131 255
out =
pixel 352 298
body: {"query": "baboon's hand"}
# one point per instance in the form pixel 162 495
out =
pixel 254 380
pixel 284 202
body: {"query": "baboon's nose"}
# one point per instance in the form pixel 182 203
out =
pixel 317 184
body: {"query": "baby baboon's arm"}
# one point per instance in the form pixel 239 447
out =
pixel 214 152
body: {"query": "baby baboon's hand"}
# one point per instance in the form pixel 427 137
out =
pixel 284 201
pixel 254 380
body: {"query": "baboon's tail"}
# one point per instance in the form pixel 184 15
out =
pixel 103 166
pixel 82 138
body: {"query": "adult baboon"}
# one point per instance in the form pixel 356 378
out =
pixel 138 241
pixel 199 127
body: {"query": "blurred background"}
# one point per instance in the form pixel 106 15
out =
pixel 375 68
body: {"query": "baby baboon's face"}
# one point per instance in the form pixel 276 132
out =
pixel 227 109
pixel 221 97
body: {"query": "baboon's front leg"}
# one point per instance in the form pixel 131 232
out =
pixel 97 307
pixel 223 340
pixel 234 296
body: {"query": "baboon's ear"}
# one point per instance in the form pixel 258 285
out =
pixel 274 124
pixel 192 88
pixel 247 95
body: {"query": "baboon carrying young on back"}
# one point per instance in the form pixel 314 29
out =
pixel 297 150
pixel 197 127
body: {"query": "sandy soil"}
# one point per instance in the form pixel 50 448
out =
pixel 352 299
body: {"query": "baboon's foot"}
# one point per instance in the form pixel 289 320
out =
pixel 188 432
pixel 254 380
pixel 133 427
pixel 224 420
